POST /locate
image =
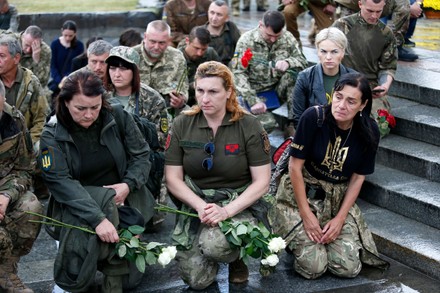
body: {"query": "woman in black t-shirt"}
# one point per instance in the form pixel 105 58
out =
pixel 328 163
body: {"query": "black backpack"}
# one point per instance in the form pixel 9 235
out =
pixel 157 157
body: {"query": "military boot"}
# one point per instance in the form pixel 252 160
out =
pixel 9 281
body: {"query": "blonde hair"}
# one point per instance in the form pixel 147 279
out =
pixel 217 69
pixel 332 34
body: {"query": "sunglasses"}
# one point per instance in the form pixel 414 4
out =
pixel 208 162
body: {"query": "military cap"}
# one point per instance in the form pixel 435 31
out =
pixel 125 53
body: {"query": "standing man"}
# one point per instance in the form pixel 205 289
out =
pixel 373 49
pixel 197 51
pixel 23 90
pixel 275 63
pixel 224 33
pixel 97 52
pixel 17 162
pixel 163 67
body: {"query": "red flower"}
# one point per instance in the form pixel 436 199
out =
pixel 382 112
pixel 247 56
pixel 391 120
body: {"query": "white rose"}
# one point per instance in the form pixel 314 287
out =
pixel 164 258
pixel 276 244
pixel 272 260
pixel 171 250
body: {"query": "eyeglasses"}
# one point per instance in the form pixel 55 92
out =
pixel 208 162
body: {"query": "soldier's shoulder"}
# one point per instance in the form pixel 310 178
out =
pixel 173 54
pixel 30 77
pixel 150 92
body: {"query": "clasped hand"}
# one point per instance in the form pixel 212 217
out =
pixel 213 214
pixel 325 235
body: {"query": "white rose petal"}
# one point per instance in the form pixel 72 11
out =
pixel 272 260
pixel 164 258
pixel 171 250
pixel 276 244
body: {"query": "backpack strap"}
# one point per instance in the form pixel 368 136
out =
pixel 321 115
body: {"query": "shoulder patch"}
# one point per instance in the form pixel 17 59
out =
pixel 46 159
pixel 164 124
pixel 266 142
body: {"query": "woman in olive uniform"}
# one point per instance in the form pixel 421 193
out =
pixel 217 164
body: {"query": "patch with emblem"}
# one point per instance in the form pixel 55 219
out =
pixel 164 124
pixel 266 142
pixel 46 159
pixel 167 143
pixel 232 149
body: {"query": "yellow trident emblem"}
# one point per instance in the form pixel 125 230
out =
pixel 46 159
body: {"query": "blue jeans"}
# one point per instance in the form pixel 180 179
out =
pixel 411 26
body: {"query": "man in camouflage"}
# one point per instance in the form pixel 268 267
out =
pixel 197 51
pixel 163 67
pixel 224 33
pixel 261 6
pixel 17 162
pixel 400 12
pixel 374 53
pixel 276 60
pixel 97 52
pixel 23 90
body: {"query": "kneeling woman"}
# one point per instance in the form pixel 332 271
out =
pixel 217 164
pixel 328 163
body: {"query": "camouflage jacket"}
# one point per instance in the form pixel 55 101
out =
pixel 164 75
pixel 30 101
pixel 151 106
pixel 259 75
pixel 182 20
pixel 374 53
pixel 17 161
pixel 40 69
pixel 225 43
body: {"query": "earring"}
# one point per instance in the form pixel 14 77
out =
pixel 360 113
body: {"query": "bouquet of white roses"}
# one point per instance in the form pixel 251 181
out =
pixel 129 246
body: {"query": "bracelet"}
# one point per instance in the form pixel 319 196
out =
pixel 226 212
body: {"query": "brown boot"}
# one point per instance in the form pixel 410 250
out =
pixel 238 272
pixel 9 281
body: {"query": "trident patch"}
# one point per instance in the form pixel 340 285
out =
pixel 46 159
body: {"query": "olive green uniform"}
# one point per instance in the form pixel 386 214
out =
pixel 238 145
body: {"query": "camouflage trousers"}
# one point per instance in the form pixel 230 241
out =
pixel 246 3
pixel 198 266
pixel 340 257
pixel 17 234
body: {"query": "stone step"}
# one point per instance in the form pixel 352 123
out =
pixel 411 156
pixel 416 121
pixel 405 194
pixel 405 240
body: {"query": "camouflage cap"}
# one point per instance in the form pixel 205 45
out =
pixel 126 53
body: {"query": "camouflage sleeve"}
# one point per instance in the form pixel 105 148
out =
pixel 401 14
pixel 388 60
pixel 241 74
pixel 291 52
pixel 18 180
pixel 39 109
pixel 182 73
pixel 170 17
pixel 42 70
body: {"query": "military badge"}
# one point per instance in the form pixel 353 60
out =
pixel 232 149
pixel 46 159
pixel 266 142
pixel 164 124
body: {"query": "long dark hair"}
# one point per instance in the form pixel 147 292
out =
pixel 79 82
pixel 71 26
pixel 362 124
pixel 119 62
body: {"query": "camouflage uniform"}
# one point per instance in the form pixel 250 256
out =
pixel 181 19
pixel 17 163
pixel 343 256
pixel 26 95
pixel 374 54
pixel 247 4
pixel 164 75
pixel 259 75
pixel 225 43
pixel 399 9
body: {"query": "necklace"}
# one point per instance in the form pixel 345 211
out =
pixel 349 132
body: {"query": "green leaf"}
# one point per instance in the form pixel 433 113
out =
pixel 254 234
pixel 241 230
pixel 126 234
pixel 134 242
pixel 136 230
pixel 242 252
pixel 122 251
pixel 264 230
pixel 152 245
pixel 150 258
pixel 235 239
pixel 140 263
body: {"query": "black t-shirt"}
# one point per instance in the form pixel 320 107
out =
pixel 331 154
